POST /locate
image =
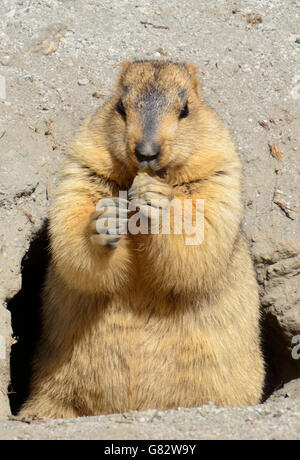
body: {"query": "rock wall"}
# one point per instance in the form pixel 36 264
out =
pixel 58 63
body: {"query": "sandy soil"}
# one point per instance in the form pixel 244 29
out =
pixel 59 60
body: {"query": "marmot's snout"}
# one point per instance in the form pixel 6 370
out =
pixel 147 153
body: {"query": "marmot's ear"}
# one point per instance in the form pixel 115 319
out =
pixel 125 65
pixel 193 72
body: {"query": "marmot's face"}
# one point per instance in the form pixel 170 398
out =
pixel 155 114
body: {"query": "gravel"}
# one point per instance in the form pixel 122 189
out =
pixel 59 61
pixel 265 422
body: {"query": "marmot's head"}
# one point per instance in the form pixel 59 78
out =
pixel 154 116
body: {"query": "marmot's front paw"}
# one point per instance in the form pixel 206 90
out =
pixel 150 195
pixel 109 222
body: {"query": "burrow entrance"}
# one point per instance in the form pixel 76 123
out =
pixel 25 308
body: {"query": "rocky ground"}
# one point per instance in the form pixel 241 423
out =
pixel 278 419
pixel 281 422
pixel 59 60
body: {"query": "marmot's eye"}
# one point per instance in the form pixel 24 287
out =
pixel 121 109
pixel 185 111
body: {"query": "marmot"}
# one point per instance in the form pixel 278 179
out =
pixel 138 321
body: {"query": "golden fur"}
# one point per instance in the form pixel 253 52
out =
pixel 153 323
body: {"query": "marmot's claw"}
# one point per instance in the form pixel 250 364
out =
pixel 109 222
pixel 150 195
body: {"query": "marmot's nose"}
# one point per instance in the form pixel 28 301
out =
pixel 147 151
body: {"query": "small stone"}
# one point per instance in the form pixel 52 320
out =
pixel 83 82
pixel 162 51
pixel 5 60
pixel 254 19
pixel 49 47
pixel 97 95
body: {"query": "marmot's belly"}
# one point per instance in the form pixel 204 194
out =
pixel 137 358
pixel 146 362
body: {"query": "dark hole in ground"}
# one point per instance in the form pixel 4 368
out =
pixel 280 366
pixel 25 310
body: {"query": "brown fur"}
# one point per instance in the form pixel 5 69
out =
pixel 152 323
